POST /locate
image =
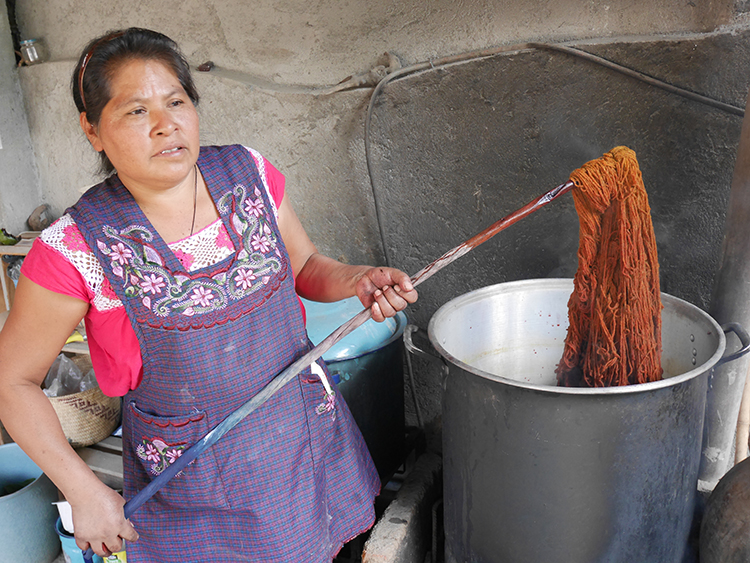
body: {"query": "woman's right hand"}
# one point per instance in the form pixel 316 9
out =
pixel 99 521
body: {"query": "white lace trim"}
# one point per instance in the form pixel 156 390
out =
pixel 82 259
pixel 202 246
pixel 261 165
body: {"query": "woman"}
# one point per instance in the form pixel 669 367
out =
pixel 184 265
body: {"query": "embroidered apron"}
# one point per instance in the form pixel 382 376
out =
pixel 293 481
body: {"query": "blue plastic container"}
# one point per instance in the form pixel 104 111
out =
pixel 70 549
pixel 27 516
pixel 324 318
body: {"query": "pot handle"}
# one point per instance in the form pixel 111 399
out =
pixel 412 348
pixel 744 340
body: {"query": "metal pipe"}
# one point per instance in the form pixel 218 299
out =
pixel 730 302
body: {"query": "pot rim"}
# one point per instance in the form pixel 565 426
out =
pixel 567 284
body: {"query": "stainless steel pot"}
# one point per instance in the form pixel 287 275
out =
pixel 538 473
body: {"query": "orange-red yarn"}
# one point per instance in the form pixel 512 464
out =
pixel 614 337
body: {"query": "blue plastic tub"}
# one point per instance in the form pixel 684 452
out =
pixel 72 551
pixel 27 517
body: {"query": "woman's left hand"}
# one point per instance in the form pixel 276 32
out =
pixel 386 291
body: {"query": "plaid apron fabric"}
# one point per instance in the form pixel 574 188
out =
pixel 294 480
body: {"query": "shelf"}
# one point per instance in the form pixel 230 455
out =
pixel 105 460
pixel 76 348
pixel 21 248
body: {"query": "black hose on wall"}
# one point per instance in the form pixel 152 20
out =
pixel 14 32
pixel 491 52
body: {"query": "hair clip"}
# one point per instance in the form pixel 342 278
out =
pixel 87 58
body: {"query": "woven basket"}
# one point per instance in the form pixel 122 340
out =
pixel 87 417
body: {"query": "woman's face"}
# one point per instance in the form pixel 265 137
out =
pixel 149 128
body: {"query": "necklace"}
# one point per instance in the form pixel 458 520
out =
pixel 195 199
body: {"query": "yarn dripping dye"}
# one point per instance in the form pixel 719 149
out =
pixel 614 312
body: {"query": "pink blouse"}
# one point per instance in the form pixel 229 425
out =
pixel 61 261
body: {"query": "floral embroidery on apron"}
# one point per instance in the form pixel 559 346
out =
pixel 145 277
pixel 160 454
pixel 329 400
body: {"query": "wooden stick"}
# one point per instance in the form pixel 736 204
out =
pixel 363 316
pixel 464 248
pixel 295 368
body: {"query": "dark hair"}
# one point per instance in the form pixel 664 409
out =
pixel 101 57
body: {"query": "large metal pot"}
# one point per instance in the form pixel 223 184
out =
pixel 538 473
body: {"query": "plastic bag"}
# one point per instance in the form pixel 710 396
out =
pixel 66 378
pixel 14 267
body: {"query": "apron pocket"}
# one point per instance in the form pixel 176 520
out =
pixel 320 398
pixel 159 440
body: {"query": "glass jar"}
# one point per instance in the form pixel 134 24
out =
pixel 32 51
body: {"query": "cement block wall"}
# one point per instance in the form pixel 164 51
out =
pixel 20 191
pixel 316 141
pixel 455 148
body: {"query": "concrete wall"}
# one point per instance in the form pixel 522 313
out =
pixel 321 42
pixel 454 148
pixel 457 148
pixel 316 141
pixel 19 186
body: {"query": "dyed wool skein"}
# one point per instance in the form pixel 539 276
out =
pixel 614 335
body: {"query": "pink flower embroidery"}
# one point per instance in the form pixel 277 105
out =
pixel 159 453
pixel 153 284
pixel 160 444
pixel 120 253
pixel 202 296
pixel 184 258
pixel 73 239
pixel 222 238
pixel 328 405
pixel 254 207
pixel 244 278
pixel 152 454
pixel 260 243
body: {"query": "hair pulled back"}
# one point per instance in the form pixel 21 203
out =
pixel 101 58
